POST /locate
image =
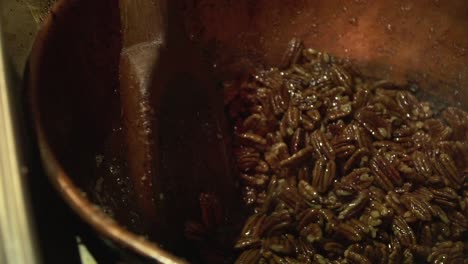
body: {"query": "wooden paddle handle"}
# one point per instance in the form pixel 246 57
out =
pixel 142 23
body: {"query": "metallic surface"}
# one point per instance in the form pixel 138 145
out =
pixel 77 199
pixel 17 234
pixel 422 41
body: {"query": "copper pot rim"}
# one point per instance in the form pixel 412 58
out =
pixel 74 196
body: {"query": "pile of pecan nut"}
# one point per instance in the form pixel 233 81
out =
pixel 339 168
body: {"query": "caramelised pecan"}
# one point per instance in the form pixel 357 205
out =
pixel 407 257
pixel 445 166
pixel 437 130
pixel 247 158
pixel 340 109
pixel 392 200
pixel 309 193
pixel 354 206
pixel 257 180
pixel 277 222
pixel 359 159
pixel 342 76
pixel 323 174
pixel 458 150
pixel 422 164
pixel 282 244
pixel 323 217
pixel 297 141
pixel 418 206
pixel 249 256
pixel 357 180
pixel 333 92
pixel 344 146
pixel 305 248
pixel 408 104
pixel 352 230
pixel 298 157
pixel 256 123
pixel 293 53
pixel 386 176
pixel 291 198
pixel 361 98
pixel 312 232
pixel 356 258
pixel 446 196
pixel 333 247
pixel 403 232
pixel 447 252
pixel 251 232
pixel 362 136
pixel 459 224
pixel 395 251
pixel 458 121
pixel 322 146
pixel 375 124
pixel 276 154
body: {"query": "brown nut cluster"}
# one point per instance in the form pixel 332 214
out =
pixel 341 168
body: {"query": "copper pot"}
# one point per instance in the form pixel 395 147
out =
pixel 74 85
